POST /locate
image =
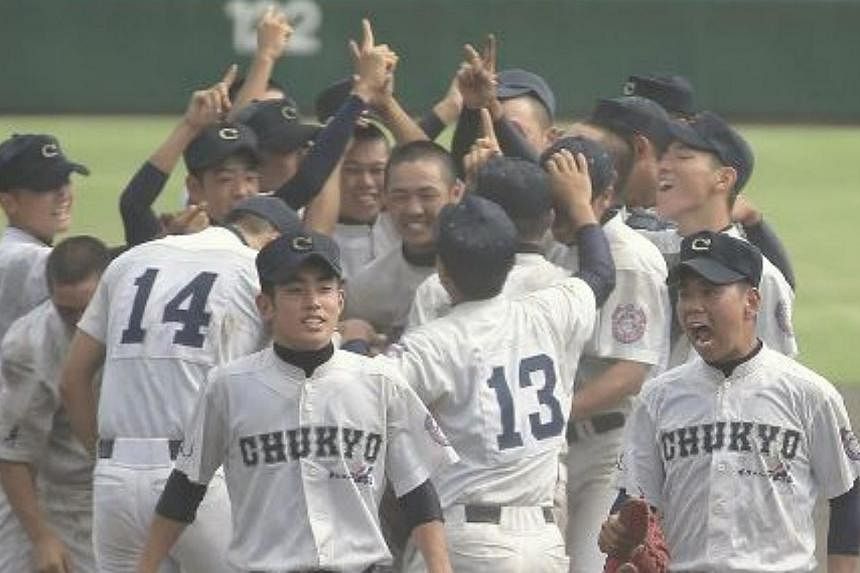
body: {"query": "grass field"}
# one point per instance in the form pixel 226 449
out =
pixel 807 180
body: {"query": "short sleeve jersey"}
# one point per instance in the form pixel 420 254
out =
pixel 361 244
pixel 383 291
pixel 777 300
pixel 633 324
pixel 531 271
pixel 22 275
pixel 34 428
pixel 498 375
pixel 167 311
pixel 306 457
pixel 735 463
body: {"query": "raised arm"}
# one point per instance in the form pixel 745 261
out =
pixel 205 107
pixel 273 34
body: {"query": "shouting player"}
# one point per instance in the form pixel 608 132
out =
pixel 734 447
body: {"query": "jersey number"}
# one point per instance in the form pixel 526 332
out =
pixel 192 318
pixel 510 437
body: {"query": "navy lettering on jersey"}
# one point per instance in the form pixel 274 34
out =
pixel 323 442
pixel 705 439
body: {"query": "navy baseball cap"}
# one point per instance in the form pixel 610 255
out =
pixel 272 209
pixel 280 260
pixel 516 82
pixel 475 230
pixel 709 132
pixel 634 114
pixel 331 98
pixel 601 169
pixel 674 93
pixel 218 142
pixel 519 187
pixel 35 162
pixel 719 258
pixel 277 125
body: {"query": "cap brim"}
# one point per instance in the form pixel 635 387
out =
pixel 286 273
pixel 709 269
pixel 507 92
pixel 682 132
pixel 56 176
pixel 291 139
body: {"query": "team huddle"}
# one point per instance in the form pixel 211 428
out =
pixel 356 350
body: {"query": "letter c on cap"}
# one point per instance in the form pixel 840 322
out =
pixel 701 244
pixel 629 89
pixel 228 133
pixel 289 112
pixel 302 243
pixel 50 150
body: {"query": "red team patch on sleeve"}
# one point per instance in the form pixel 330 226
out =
pixel 850 444
pixel 628 323
pixel 435 431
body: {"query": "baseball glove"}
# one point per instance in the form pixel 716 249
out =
pixel 645 550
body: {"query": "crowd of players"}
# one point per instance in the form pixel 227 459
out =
pixel 343 342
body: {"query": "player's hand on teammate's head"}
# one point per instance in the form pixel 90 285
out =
pixel 373 67
pixel 571 186
pixel 213 104
pixel 484 148
pixel 476 79
pixel 190 220
pixel 273 33
pixel 745 212
pixel 359 329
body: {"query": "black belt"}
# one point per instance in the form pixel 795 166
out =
pixel 493 514
pixel 105 448
pixel 601 423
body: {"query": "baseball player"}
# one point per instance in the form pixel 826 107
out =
pixel 705 167
pixel 46 527
pixel 36 194
pixel 307 435
pixel 734 447
pixel 497 373
pixel 630 343
pixel 420 180
pixel 165 312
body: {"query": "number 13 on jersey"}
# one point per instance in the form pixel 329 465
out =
pixel 527 403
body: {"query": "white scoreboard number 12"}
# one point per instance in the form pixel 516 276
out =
pixel 304 15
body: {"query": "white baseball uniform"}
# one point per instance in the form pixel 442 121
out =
pixel 735 463
pixel 633 325
pixel 383 291
pixel 774 325
pixel 362 244
pixel 306 457
pixel 531 271
pixel 22 275
pixel 35 430
pixel 498 376
pixel 167 311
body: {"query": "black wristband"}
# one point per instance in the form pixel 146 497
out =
pixel 421 505
pixel 181 498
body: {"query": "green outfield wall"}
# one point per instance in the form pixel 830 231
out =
pixel 766 59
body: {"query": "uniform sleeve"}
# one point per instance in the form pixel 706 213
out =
pixel 431 301
pixel 834 450
pixel 642 473
pixel 418 359
pixel 775 317
pixel 27 405
pixel 634 322
pixel 206 440
pixel 569 305
pixel 95 318
pixel 417 446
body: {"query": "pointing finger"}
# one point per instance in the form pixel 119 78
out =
pixel 230 75
pixel 367 40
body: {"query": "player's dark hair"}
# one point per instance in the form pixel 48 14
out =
pixel 250 161
pixel 618 143
pixel 237 85
pixel 423 150
pixel 477 279
pixel 76 259
pixel 369 132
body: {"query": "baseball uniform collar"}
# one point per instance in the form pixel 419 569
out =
pixel 306 360
pixel 736 369
pixel 21 236
pixel 477 305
